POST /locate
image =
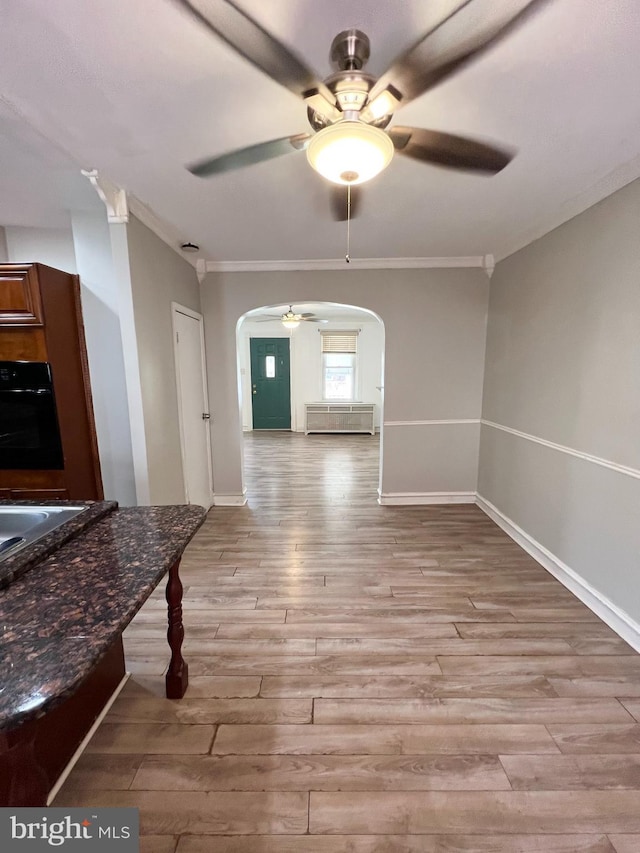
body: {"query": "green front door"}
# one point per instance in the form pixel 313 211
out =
pixel 270 384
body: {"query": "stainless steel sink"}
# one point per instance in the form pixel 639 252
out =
pixel 22 525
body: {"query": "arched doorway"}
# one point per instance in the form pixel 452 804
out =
pixel 343 391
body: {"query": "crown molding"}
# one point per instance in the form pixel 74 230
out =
pixel 114 198
pixel 121 206
pixel 161 228
pixel 613 181
pixel 489 265
pixel 476 261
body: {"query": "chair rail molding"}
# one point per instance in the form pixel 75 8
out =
pixel 562 448
pixel 446 421
pixel 424 498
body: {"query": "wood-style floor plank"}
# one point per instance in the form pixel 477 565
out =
pixel 397 687
pixel 321 773
pixel 572 772
pixel 478 812
pixel 204 813
pixel 476 710
pixel 456 739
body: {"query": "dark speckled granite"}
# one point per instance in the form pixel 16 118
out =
pixel 59 618
pixel 16 565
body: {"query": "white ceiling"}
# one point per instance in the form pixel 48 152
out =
pixel 136 89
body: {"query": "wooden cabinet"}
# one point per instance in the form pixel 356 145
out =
pixel 20 296
pixel 41 321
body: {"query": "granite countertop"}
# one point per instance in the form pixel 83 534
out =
pixel 60 617
pixel 14 566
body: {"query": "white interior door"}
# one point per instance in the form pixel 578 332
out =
pixel 193 406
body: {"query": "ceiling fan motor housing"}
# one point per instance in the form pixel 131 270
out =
pixel 350 50
pixel 349 53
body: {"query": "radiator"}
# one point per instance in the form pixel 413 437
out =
pixel 339 417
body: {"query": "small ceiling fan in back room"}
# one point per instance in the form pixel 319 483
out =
pixel 350 110
pixel 289 319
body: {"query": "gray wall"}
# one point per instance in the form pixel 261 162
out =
pixel 158 278
pixel 435 326
pixel 563 366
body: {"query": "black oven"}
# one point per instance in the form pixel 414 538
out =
pixel 29 432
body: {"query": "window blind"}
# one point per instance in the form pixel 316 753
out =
pixel 339 341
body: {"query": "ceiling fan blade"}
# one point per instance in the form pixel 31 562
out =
pixel 259 47
pixel 445 149
pixel 338 202
pixel 471 28
pixel 249 156
pixel 314 320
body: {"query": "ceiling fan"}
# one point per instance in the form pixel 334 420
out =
pixel 289 319
pixel 350 110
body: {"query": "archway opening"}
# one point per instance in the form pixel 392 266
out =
pixel 327 434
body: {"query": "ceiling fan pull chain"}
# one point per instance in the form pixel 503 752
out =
pixel 346 257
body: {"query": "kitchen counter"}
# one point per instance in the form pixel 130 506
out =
pixel 59 618
pixel 12 567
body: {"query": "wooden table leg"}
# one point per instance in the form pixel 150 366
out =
pixel 177 678
pixel 28 784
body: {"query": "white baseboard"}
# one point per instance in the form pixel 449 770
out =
pixel 76 755
pixel 230 500
pixel 424 498
pixel 615 618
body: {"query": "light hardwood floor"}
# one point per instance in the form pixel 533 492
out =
pixel 369 679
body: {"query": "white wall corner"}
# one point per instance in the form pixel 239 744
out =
pixel 610 613
pixel 113 197
pixel 122 271
pixel 488 265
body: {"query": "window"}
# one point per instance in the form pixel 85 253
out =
pixel 339 365
pixel 270 367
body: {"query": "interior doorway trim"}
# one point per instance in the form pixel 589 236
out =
pixel 176 308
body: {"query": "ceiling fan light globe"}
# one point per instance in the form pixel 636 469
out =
pixel 291 324
pixel 350 152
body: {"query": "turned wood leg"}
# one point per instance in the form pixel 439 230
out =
pixel 28 784
pixel 177 678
